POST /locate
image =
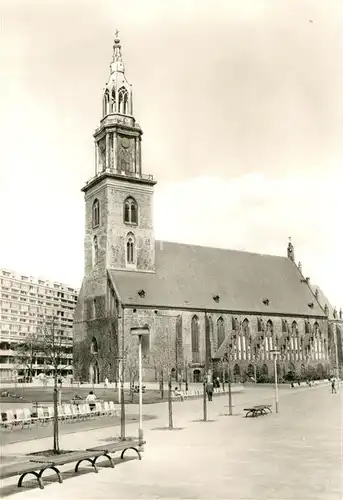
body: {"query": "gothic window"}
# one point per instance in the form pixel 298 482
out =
pixel 95 213
pixel 95 250
pixel 307 327
pixel 220 331
pixel 270 327
pixel 94 346
pixel 195 339
pixel 294 328
pixel 113 101
pixel 130 248
pixel 123 99
pixel 315 329
pixel 105 103
pixel 245 326
pixel 130 211
pixel 284 326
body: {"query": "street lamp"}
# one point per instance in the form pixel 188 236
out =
pixel 275 353
pixel 228 356
pixel 140 332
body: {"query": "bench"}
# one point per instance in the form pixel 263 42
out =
pixel 38 465
pixel 257 410
pixel 25 468
pixel 105 451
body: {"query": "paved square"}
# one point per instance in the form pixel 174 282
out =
pixel 296 454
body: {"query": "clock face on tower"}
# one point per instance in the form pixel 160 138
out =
pixel 125 142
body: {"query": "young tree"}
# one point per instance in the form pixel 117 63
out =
pixel 27 352
pixel 53 347
pixel 164 355
pixel 131 366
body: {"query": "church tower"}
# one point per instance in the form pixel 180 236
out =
pixel 119 198
pixel 119 232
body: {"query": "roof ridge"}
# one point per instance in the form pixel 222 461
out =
pixel 219 248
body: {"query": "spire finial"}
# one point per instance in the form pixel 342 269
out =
pixel 117 60
pixel 290 249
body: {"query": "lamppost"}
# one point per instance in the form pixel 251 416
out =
pixel 255 349
pixel 275 353
pixel 228 357
pixel 140 332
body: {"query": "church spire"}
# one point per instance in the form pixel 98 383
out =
pixel 117 96
pixel 117 59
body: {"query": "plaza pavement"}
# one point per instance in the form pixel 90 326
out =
pixel 296 454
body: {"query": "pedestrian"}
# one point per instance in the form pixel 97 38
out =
pixel 106 382
pixel 178 393
pixel 90 399
pixel 333 386
pixel 209 390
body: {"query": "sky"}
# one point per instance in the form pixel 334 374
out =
pixel 241 105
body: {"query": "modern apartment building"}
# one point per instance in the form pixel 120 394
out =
pixel 25 303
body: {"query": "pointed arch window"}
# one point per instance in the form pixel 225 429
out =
pixel 316 329
pixel 195 339
pixel 105 103
pixel 307 327
pixel 220 331
pixel 94 346
pixel 284 326
pixel 130 248
pixel 130 211
pixel 96 213
pixel 270 327
pixel 95 251
pixel 113 101
pixel 245 326
pixel 294 328
pixel 123 99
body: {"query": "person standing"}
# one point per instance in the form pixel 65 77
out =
pixel 333 386
pixel 106 382
pixel 209 390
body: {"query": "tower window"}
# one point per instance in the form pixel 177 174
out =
pixel 95 213
pixel 130 211
pixel 95 251
pixel 105 103
pixel 130 248
pixel 123 99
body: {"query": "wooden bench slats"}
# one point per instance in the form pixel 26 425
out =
pixel 19 468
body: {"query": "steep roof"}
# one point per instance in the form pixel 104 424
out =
pixel 323 300
pixel 189 276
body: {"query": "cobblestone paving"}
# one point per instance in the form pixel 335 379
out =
pixel 296 454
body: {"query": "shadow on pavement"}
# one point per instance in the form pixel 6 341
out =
pixel 167 429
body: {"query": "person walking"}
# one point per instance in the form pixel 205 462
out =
pixel 333 386
pixel 209 390
pixel 106 382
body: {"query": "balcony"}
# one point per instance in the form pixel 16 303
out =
pixel 122 174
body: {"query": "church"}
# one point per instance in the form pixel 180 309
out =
pixel 208 310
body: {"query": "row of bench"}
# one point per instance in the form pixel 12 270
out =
pixel 66 412
pixel 37 465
